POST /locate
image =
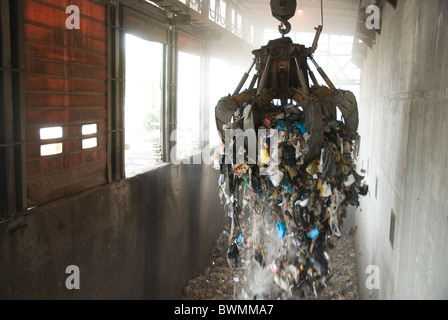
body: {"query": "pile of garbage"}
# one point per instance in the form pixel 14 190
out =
pixel 285 208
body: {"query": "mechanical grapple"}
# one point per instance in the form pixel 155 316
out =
pixel 302 186
pixel 284 74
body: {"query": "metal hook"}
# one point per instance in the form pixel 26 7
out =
pixel 284 27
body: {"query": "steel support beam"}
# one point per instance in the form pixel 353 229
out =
pixel 115 93
pixel 171 101
pixel 7 173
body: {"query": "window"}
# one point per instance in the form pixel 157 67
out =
pixel 51 149
pixel 224 77
pixel 239 25
pixel 218 74
pixel 143 104
pixel 217 11
pixel 90 143
pixel 50 134
pixel 252 34
pixel 87 130
pixel 188 105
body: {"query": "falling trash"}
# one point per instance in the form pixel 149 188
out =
pixel 313 233
pixel 302 178
pixel 281 230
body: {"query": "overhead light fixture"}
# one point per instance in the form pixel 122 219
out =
pixel 300 11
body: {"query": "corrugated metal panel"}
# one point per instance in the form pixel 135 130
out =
pixel 65 87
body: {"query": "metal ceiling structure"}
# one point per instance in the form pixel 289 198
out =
pixel 340 16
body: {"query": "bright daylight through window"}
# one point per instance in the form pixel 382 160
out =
pixel 143 105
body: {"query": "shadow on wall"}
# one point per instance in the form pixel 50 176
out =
pixel 141 238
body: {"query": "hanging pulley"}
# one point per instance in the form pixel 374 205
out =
pixel 283 10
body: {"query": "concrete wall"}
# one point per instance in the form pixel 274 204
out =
pixel 404 129
pixel 142 238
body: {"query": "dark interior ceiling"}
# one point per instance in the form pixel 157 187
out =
pixel 340 16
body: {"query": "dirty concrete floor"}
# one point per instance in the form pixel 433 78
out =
pixel 221 282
